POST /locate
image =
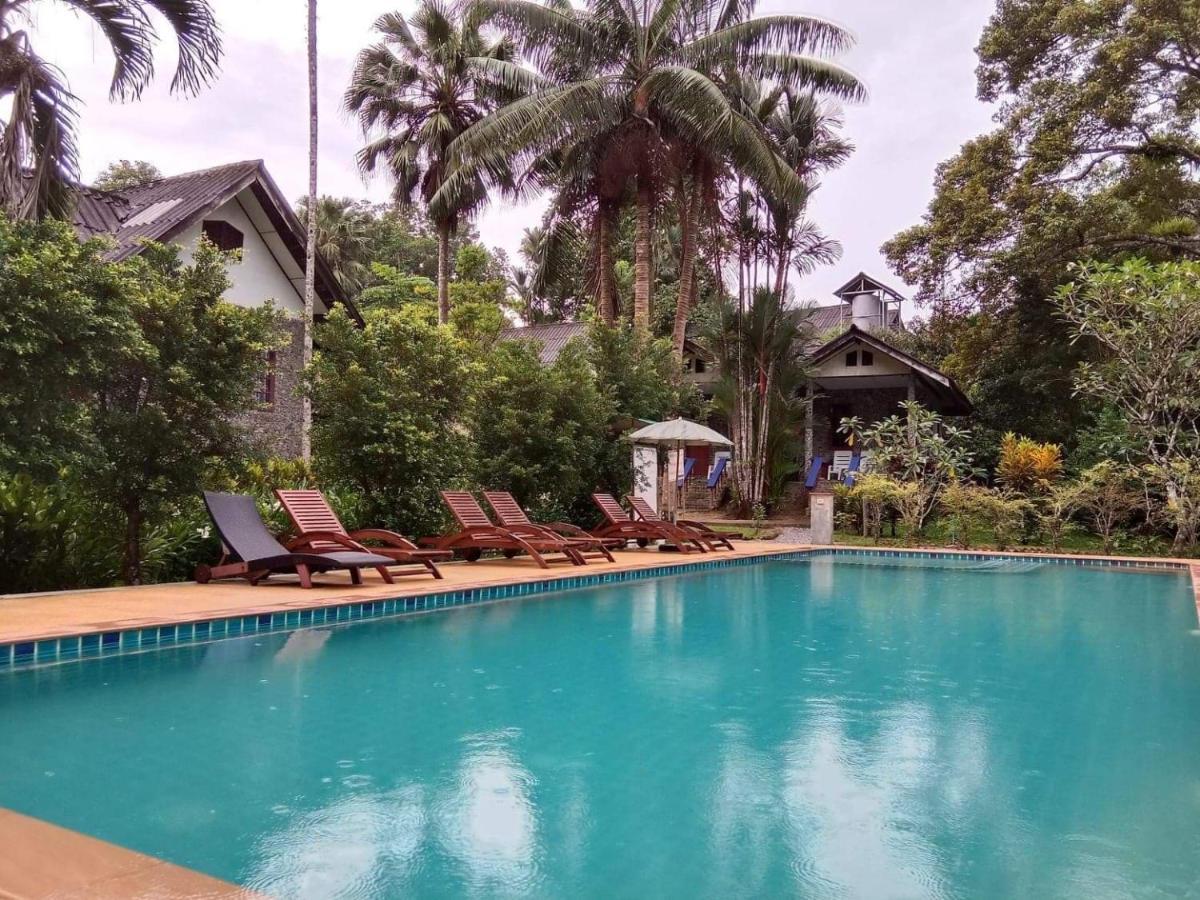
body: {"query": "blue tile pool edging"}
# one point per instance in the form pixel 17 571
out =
pixel 27 654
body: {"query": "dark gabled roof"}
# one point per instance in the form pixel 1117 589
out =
pixel 822 318
pixel 161 209
pixel 939 382
pixel 863 283
pixel 552 337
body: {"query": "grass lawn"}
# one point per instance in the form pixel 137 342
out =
pixel 1077 542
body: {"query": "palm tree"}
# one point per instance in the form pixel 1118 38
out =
pixel 760 348
pixel 343 239
pixel 310 244
pixel 414 92
pixel 647 79
pixel 805 131
pixel 39 160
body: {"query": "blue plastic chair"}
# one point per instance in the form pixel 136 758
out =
pixel 814 472
pixel 718 470
pixel 688 465
pixel 852 469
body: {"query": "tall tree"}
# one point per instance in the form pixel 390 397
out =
pixel 646 78
pixel 126 173
pixel 39 160
pixel 414 92
pixel 310 244
pixel 344 233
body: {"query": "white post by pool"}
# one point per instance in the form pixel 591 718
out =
pixel 820 517
pixel 645 473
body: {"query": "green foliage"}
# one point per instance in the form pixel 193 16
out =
pixel 1146 320
pixel 968 508
pixel 394 289
pixel 1055 509
pixel 640 376
pixel 66 312
pixel 760 351
pixel 42 539
pixel 1107 493
pixel 393 397
pixel 125 173
pixel 921 451
pixel 876 495
pixel 164 407
pixel 542 432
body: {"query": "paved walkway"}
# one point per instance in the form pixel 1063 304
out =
pixel 27 617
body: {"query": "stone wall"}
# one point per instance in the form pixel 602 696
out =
pixel 869 404
pixel 277 427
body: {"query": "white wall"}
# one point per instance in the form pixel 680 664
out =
pixel 883 364
pixel 267 270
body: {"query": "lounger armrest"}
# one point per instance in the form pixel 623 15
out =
pixel 307 538
pixel 383 536
pixel 692 523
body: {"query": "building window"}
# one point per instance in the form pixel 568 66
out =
pixel 264 394
pixel 868 358
pixel 223 235
pixel 698 367
pixel 852 359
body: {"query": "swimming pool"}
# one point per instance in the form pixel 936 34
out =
pixel 822 727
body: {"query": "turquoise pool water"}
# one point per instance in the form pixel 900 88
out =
pixel 822 728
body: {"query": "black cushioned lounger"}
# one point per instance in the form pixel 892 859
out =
pixel 251 552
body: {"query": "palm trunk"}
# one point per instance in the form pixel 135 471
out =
pixel 310 249
pixel 443 272
pixel 781 271
pixel 690 216
pixel 643 251
pixel 606 289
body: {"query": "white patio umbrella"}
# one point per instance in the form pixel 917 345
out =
pixel 679 433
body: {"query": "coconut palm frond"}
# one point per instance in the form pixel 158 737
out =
pixel 126 26
pixel 39 161
pixel 765 34
pixel 806 72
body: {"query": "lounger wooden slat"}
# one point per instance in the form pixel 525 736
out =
pixel 619 524
pixel 512 516
pixel 310 511
pixel 478 533
pixel 684 529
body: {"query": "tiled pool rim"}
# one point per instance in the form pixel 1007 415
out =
pixel 28 654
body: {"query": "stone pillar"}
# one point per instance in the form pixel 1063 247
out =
pixel 820 517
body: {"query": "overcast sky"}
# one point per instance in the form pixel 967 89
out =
pixel 916 56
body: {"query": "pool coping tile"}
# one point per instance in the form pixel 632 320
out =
pixel 39 651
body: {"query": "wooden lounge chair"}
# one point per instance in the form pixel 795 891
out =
pixel 619 524
pixel 310 511
pixel 251 552
pixel 511 516
pixel 685 529
pixel 478 533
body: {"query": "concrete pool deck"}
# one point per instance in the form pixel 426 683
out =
pixel 34 617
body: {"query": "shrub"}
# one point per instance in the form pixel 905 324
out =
pixel 1028 466
pixel 918 449
pixel 539 430
pixel 1106 492
pixel 1055 511
pixel 875 494
pixel 393 397
pixel 971 507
